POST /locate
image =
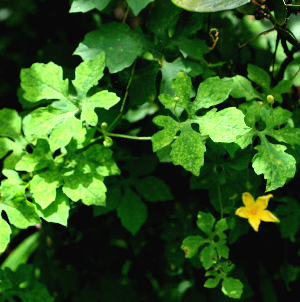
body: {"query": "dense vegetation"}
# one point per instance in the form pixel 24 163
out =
pixel 145 145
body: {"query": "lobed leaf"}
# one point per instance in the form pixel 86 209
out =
pixel 223 126
pixel 191 244
pixel 232 287
pixel 276 165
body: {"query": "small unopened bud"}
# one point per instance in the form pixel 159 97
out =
pixel 104 126
pixel 270 99
pixel 108 142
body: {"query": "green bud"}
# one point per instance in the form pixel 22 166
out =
pixel 104 126
pixel 171 32
pixel 148 56
pixel 108 142
pixel 270 99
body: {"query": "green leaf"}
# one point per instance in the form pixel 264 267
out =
pixel 120 44
pixel 102 99
pixel 212 282
pixel 194 48
pixel 164 15
pixel 208 256
pixel 164 137
pixel 283 86
pixel 44 81
pixel 191 244
pixel 188 150
pixel 276 165
pixel 280 11
pixel 22 252
pixel 58 122
pixel 209 5
pixel 170 70
pixel 138 5
pixel 259 76
pixel 113 198
pixel 132 211
pixel 233 288
pixel 223 126
pixel 5 232
pixel 242 88
pixel 83 178
pixel 20 211
pixel 182 87
pixel 212 91
pixel 153 189
pixel 57 211
pixel 205 222
pixel 140 94
pixel 87 75
pixel 83 6
pixel 11 137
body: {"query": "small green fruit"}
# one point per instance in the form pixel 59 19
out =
pixel 270 99
pixel 108 142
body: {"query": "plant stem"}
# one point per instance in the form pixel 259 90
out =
pixel 140 138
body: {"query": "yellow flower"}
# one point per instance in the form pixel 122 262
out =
pixel 256 211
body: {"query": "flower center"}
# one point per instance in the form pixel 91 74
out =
pixel 254 211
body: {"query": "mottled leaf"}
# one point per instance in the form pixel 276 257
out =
pixel 188 150
pixel 212 91
pixel 223 126
pixel 57 211
pixel 44 81
pixel 276 165
pixel 208 256
pixel 87 75
pixel 164 137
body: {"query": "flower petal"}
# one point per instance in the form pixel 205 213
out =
pixel 254 222
pixel 242 212
pixel 248 200
pixel 267 216
pixel 262 201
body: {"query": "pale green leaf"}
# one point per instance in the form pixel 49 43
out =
pixel 84 6
pixel 212 91
pixel 44 81
pixel 101 99
pixel 132 211
pixel 286 135
pixel 276 165
pixel 188 150
pixel 283 86
pixel 209 5
pixel 87 75
pixel 57 211
pixel 59 123
pixel 89 189
pixel 275 117
pixel 223 126
pixel 5 232
pixel 191 244
pixel 120 44
pixel 164 137
pixel 232 287
pixel 43 187
pixel 242 88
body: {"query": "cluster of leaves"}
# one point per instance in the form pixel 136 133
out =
pixel 22 284
pixel 211 255
pixel 60 150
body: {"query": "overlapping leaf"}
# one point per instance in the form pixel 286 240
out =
pixel 58 121
pixel 223 126
pixel 11 138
